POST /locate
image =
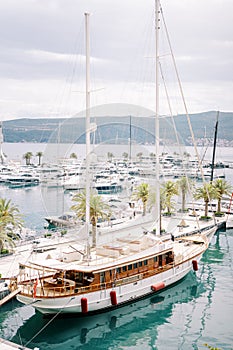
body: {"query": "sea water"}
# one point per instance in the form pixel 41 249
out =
pixel 195 312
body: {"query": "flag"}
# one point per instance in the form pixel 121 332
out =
pixel 34 288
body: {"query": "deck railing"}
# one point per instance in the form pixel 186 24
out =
pixel 44 291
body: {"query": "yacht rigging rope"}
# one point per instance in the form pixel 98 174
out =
pixel 51 320
pixel 184 102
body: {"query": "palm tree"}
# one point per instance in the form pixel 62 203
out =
pixel 152 155
pixel 27 156
pixel 183 185
pixel 10 219
pixel 73 156
pixel 206 192
pixel 169 189
pixel 98 209
pixel 139 155
pixel 142 193
pixel 3 157
pixel 110 156
pixel 186 154
pixel 39 155
pixel 222 187
pixel 6 242
pixel 125 155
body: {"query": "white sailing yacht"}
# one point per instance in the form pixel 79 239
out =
pixel 137 263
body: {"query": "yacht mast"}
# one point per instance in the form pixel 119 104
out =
pixel 157 204
pixel 87 32
pixel 214 149
pixel 2 157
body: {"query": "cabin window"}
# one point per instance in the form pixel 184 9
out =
pixel 155 259
pixel 160 260
pixel 130 267
pixel 170 257
pixel 135 265
pixel 140 264
pixel 145 262
pixel 88 278
pixel 78 276
pixel 102 277
pixel 124 268
pixel 118 270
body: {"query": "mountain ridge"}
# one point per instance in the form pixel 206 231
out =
pixel 118 128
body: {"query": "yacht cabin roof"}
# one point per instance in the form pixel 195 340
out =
pixel 112 255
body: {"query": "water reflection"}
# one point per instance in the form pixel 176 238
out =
pixel 182 315
pixel 215 254
pixel 104 330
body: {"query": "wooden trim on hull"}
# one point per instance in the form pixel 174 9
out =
pixel 68 314
pixel 61 292
pixel 76 308
pixel 50 291
pixel 77 291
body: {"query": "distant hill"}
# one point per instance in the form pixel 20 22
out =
pixel 119 129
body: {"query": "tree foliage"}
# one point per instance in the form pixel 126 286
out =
pixel 222 187
pixel 39 155
pixel 207 192
pixel 168 190
pixel 73 155
pixel 10 220
pixel 184 185
pixel 98 209
pixel 27 156
pixel 142 193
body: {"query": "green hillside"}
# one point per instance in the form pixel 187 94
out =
pixel 118 129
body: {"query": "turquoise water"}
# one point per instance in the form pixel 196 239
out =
pixel 37 202
pixel 196 311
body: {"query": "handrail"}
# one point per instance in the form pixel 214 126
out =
pixel 49 292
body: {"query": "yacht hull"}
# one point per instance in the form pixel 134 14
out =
pixel 100 301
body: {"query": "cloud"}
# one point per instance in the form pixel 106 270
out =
pixel 42 62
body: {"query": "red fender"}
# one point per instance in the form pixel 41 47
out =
pixel 113 297
pixel 158 286
pixel 195 265
pixel 84 305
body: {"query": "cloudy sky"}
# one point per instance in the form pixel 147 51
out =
pixel 42 63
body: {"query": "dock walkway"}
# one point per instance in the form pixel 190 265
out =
pixel 8 345
pixel 9 297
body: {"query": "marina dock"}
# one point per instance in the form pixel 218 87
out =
pixel 8 297
pixel 8 345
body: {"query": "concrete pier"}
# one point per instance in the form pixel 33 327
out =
pixel 9 297
pixel 8 345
